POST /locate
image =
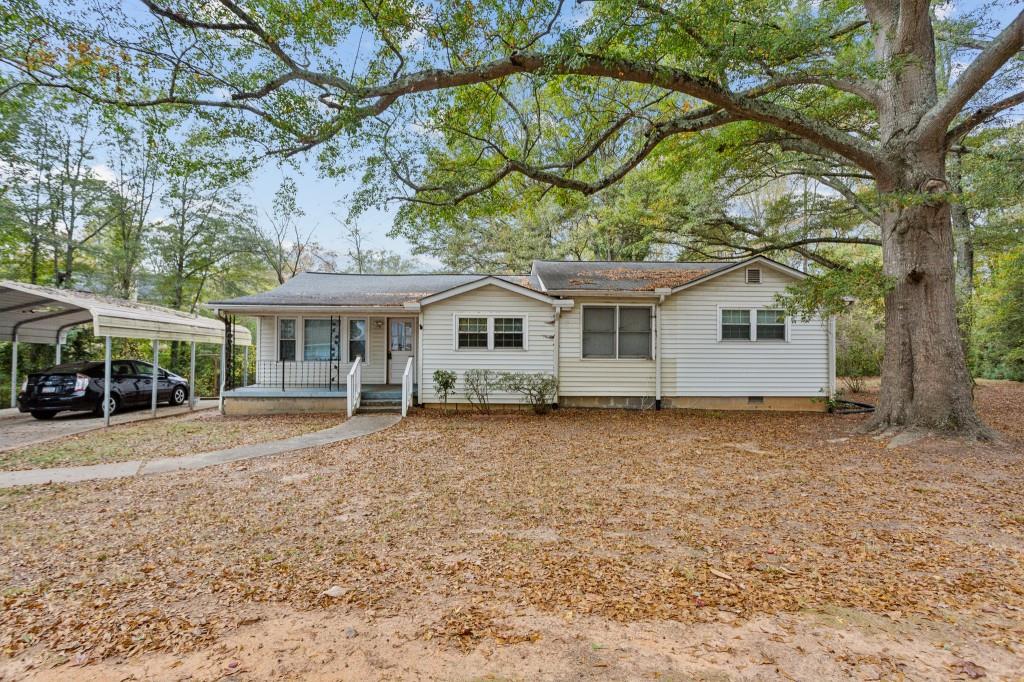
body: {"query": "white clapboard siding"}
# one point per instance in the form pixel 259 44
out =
pixel 268 371
pixel 696 363
pixel 580 376
pixel 438 342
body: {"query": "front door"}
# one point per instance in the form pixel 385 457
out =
pixel 400 345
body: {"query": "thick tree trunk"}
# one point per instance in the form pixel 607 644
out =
pixel 925 382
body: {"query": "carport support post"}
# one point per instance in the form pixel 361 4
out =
pixel 106 384
pixel 156 376
pixel 56 359
pixel 223 364
pixel 192 379
pixel 14 371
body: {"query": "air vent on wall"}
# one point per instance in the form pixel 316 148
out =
pixel 753 275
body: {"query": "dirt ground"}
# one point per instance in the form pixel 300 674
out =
pixel 170 437
pixel 579 545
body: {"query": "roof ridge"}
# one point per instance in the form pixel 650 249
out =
pixel 653 262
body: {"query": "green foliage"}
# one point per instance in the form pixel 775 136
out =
pixel 860 343
pixel 444 384
pixel 537 389
pixel 832 292
pixel 999 327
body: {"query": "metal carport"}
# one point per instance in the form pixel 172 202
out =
pixel 30 313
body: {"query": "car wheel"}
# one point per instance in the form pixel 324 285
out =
pixel 178 395
pixel 43 415
pixel 115 405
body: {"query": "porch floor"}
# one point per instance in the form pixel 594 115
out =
pixel 369 392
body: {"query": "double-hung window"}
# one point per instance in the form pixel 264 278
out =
pixel 622 332
pixel 752 324
pixel 286 340
pixel 479 332
pixel 357 340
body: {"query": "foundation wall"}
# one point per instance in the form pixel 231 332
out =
pixel 237 407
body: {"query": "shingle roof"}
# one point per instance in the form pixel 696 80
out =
pixel 619 275
pixel 340 289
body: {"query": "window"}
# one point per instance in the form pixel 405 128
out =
pixel 753 325
pixel 771 325
pixel 736 324
pixel 318 341
pixel 286 339
pixel 490 333
pixel 472 332
pixel 508 332
pixel 356 340
pixel 753 275
pixel 617 332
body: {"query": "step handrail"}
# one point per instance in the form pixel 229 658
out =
pixel 407 388
pixel 354 387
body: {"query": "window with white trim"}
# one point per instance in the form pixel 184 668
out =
pixel 357 339
pixel 286 339
pixel 479 332
pixel 752 324
pixel 622 332
pixel 318 339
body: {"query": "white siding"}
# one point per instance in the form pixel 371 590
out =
pixel 696 363
pixel 489 301
pixel 268 371
pixel 579 376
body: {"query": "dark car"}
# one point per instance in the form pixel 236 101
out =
pixel 78 387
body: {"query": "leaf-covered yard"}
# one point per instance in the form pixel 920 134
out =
pixel 169 437
pixel 581 544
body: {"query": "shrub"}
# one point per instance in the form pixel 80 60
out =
pixel 538 389
pixel 860 343
pixel 444 384
pixel 479 383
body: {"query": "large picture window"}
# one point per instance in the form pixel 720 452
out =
pixel 317 341
pixel 286 340
pixel 356 340
pixel 623 332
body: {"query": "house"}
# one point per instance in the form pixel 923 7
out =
pixel 615 334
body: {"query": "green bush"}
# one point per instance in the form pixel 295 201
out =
pixel 444 384
pixel 860 343
pixel 998 334
pixel 538 389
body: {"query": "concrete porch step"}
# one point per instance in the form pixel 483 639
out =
pixel 379 409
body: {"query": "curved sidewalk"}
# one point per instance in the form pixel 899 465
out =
pixel 359 425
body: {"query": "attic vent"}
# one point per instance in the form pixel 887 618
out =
pixel 753 275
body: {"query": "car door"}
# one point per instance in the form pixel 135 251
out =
pixel 122 380
pixel 144 381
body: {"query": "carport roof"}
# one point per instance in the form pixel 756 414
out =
pixel 37 314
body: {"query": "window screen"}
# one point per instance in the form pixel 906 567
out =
pixel 634 332
pixel 472 332
pixel 286 339
pixel 356 340
pixel 508 332
pixel 599 332
pixel 736 324
pixel 771 325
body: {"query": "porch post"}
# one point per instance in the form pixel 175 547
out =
pixel 156 376
pixel 106 384
pixel 245 368
pixel 192 379
pixel 14 370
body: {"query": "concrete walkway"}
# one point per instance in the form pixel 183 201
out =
pixel 18 429
pixel 359 425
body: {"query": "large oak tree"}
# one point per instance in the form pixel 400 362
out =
pixel 456 97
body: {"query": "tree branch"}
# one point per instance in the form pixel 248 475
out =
pixel 984 66
pixel 982 115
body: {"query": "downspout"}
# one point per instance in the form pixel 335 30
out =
pixel 557 352
pixel 831 332
pixel 657 352
pixel 419 358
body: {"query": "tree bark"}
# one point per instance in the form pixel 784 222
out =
pixel 925 382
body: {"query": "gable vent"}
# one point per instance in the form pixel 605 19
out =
pixel 753 275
